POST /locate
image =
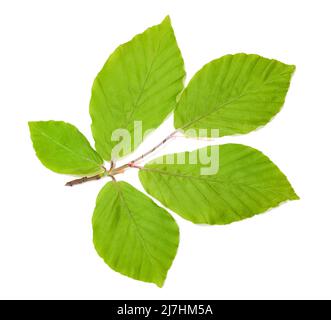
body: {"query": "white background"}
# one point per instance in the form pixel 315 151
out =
pixel 50 52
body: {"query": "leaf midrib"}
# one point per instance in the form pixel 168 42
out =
pixel 66 148
pixel 140 94
pixel 205 179
pixel 131 216
pixel 218 108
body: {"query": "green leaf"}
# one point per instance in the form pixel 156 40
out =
pixel 63 149
pixel 139 82
pixel 246 183
pixel 234 94
pixel 132 234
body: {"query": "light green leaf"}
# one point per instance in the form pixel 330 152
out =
pixel 139 82
pixel 132 234
pixel 63 149
pixel 235 94
pixel 247 183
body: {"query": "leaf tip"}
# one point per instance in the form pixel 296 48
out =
pixel 160 283
pixel 167 20
pixel 292 68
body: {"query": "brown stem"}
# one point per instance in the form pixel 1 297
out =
pixel 131 163
pixel 170 136
pixel 84 179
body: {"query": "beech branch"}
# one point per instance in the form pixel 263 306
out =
pixel 83 180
